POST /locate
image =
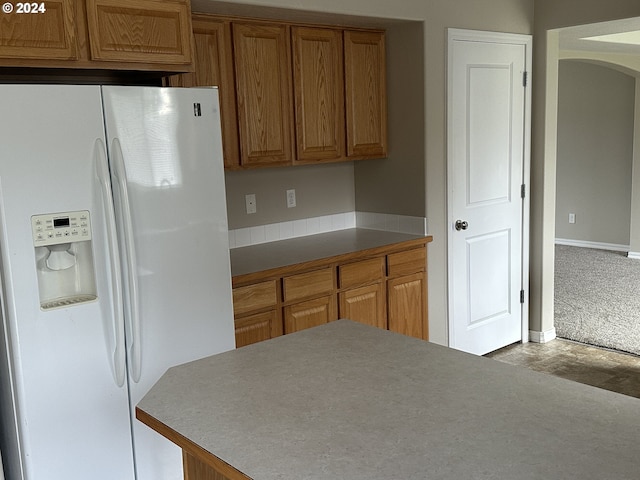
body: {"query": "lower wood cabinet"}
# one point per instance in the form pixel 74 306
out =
pixel 365 305
pixel 407 292
pixel 258 327
pixel 362 293
pixel 407 304
pixel 385 289
pixel 309 299
pixel 257 316
pixel 311 313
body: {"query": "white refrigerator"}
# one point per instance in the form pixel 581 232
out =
pixel 114 267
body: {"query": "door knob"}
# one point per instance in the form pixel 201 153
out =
pixel 461 225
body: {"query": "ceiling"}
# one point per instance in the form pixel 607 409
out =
pixel 620 36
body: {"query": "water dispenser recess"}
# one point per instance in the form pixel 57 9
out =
pixel 64 258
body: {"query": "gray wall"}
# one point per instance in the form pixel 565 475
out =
pixel 397 185
pixel 320 190
pixel 595 153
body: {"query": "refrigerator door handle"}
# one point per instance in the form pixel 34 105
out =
pixel 102 177
pixel 131 299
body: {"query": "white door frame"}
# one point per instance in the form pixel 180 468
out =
pixel 503 38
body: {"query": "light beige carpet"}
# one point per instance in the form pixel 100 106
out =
pixel 597 298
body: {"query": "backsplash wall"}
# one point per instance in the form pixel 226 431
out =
pixel 320 190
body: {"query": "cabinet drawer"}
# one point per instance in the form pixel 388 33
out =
pixel 255 297
pixel 309 284
pixel 403 263
pixel 361 273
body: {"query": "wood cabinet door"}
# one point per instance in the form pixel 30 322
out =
pixel 318 79
pixel 366 102
pixel 257 328
pixel 407 304
pixel 365 305
pixel 263 90
pixel 51 35
pixel 141 31
pixel 310 314
pixel 213 66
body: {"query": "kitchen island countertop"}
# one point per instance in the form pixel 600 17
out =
pixel 348 401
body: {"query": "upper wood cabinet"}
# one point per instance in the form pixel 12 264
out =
pixel 366 103
pixel 213 62
pixel 292 94
pixel 50 35
pixel 100 34
pixel 140 31
pixel 318 80
pixel 263 92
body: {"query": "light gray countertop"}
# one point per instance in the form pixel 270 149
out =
pixel 348 401
pixel 268 256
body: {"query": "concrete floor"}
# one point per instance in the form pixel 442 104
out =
pixel 611 370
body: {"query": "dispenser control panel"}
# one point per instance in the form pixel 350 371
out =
pixel 56 228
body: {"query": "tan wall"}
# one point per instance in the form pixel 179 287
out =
pixel 514 16
pixel 320 190
pixel 397 184
pixel 553 14
pixel 595 153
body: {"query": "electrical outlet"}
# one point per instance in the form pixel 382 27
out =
pixel 572 218
pixel 291 198
pixel 250 201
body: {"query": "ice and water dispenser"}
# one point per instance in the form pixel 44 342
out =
pixel 64 258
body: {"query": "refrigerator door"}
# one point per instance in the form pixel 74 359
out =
pixel 168 143
pixel 64 416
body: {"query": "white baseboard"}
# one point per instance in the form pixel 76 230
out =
pixel 599 245
pixel 634 255
pixel 542 337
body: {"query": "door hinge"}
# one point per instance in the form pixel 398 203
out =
pixel 521 296
pixel 525 78
pixel 523 190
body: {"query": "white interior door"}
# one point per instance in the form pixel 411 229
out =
pixel 488 163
